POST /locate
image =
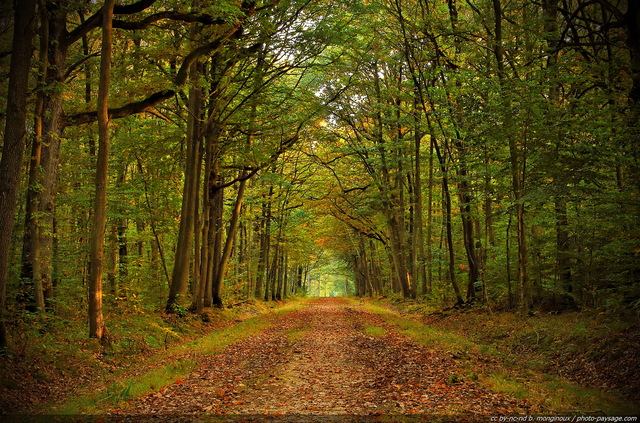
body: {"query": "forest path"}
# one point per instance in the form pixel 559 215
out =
pixel 330 358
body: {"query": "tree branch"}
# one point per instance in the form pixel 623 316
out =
pixel 249 171
pixel 78 63
pixel 172 15
pixel 120 112
pixel 95 20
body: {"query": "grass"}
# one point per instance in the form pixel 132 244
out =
pixel 297 334
pixel 427 335
pixel 163 368
pixel 123 389
pixel 375 331
pixel 558 395
pixel 515 376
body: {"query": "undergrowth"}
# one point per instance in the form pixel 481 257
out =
pixel 52 357
pixel 529 354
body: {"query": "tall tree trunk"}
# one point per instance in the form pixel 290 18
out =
pixel 448 215
pixel 417 238
pixel 392 202
pixel 563 263
pixel 429 282
pixel 231 236
pixel 265 244
pixel 123 250
pixel 204 226
pixel 632 21
pixel 34 298
pixel 14 139
pixel 96 320
pixel 37 251
pixel 180 276
pixel 517 161
pixel 562 245
pixel 216 232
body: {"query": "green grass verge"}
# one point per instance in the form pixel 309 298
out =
pixel 519 379
pixel 121 390
pixel 180 360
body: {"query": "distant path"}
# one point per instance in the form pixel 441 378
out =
pixel 320 361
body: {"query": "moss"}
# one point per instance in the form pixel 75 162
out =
pixel 375 331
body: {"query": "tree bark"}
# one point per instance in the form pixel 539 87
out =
pixel 97 327
pixel 226 253
pixel 262 282
pixel 517 161
pixel 45 158
pixel 33 299
pixel 180 277
pixel 14 139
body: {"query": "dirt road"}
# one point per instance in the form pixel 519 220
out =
pixel 329 360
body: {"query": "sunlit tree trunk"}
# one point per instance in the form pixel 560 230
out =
pixel 96 320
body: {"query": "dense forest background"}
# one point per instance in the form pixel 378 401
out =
pixel 169 156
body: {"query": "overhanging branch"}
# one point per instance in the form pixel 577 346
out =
pixel 249 171
pixel 95 20
pixel 120 112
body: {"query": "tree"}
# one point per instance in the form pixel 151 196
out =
pixel 96 320
pixel 15 136
pixel 38 243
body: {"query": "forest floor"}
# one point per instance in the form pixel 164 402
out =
pixel 329 358
pixel 334 358
pixel 341 360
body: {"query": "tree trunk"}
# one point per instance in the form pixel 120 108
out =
pixel 517 161
pixel 446 204
pixel 35 300
pixel 562 245
pixel 96 320
pixel 392 203
pixel 259 232
pixel 180 275
pixel 231 236
pixel 123 250
pixel 265 244
pixel 216 232
pixel 43 174
pixel 14 139
pixel 417 237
